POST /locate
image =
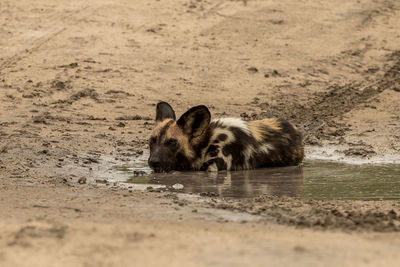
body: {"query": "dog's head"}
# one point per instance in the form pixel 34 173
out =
pixel 172 142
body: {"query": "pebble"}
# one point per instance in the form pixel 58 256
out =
pixel 121 124
pixel 252 69
pixel 177 186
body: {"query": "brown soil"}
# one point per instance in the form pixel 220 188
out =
pixel 78 87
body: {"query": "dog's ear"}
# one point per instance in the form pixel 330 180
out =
pixel 195 121
pixel 164 111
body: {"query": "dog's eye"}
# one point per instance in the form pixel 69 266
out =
pixel 171 142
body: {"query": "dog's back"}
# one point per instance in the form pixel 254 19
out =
pixel 236 144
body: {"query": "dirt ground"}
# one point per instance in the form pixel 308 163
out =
pixel 78 86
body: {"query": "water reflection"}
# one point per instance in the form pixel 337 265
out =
pixel 286 181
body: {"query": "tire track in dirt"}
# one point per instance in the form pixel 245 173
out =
pixel 385 8
pixel 39 42
pixel 322 110
pixel 34 47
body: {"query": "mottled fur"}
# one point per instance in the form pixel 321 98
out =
pixel 194 142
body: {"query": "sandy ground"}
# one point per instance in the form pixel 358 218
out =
pixel 79 83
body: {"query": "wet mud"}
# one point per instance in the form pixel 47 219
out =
pixel 343 215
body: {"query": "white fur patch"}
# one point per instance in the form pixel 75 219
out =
pixel 234 122
pixel 228 160
pixel 266 148
pixel 212 168
pixel 230 137
pixel 247 153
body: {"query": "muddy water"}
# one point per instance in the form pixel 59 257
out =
pixel 313 180
pixel 325 180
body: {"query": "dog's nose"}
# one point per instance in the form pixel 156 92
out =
pixel 154 162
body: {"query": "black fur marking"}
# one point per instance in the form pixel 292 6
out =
pixel 184 163
pixel 227 150
pixel 212 151
pixel 220 163
pixel 289 129
pixel 222 137
pixel 204 140
pixel 285 143
pixel 195 121
pixel 164 111
pixel 236 148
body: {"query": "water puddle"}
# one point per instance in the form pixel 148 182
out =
pixel 313 180
pixel 327 180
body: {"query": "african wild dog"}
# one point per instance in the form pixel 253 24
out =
pixel 195 142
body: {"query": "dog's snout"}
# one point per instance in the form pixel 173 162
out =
pixel 154 162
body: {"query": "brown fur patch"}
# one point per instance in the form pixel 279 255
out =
pixel 175 132
pixel 159 125
pixel 256 127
